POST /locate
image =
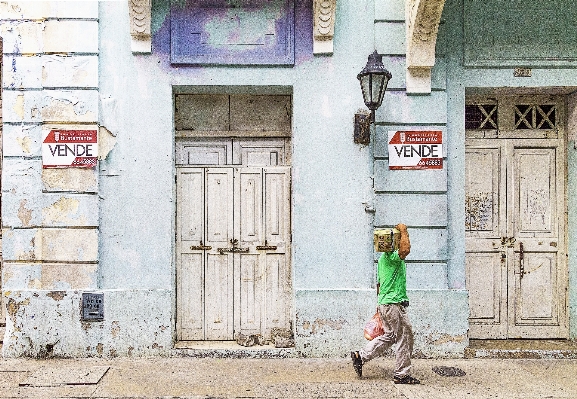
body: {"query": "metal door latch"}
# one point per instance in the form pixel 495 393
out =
pixel 266 247
pixel 508 242
pixel 235 248
pixel 200 247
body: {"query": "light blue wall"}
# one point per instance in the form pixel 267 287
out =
pixel 332 233
pixel 332 258
pixel 333 181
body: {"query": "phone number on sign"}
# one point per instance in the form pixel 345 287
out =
pixel 431 162
pixel 84 162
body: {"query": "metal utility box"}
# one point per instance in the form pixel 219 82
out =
pixel 92 307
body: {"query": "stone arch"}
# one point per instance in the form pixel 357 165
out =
pixel 422 22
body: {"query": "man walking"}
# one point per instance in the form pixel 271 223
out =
pixel 392 304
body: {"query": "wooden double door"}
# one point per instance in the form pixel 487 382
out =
pixel 515 211
pixel 233 251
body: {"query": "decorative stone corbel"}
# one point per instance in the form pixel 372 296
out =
pixel 324 26
pixel 140 18
pixel 422 22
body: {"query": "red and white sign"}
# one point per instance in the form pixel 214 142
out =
pixel 63 148
pixel 416 149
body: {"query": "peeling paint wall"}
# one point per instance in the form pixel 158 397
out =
pixel 44 323
pixel 50 217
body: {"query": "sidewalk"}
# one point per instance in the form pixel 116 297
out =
pixel 182 377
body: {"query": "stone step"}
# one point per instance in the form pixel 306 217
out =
pixel 521 349
pixel 230 349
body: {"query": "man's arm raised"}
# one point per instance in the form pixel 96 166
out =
pixel 405 243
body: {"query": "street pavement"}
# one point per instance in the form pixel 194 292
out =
pixel 203 378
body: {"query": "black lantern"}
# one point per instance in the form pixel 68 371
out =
pixel 374 79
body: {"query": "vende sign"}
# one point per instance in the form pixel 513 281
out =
pixel 63 148
pixel 417 149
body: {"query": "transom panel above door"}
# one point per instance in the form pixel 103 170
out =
pixel 515 243
pixel 242 129
pixel 233 151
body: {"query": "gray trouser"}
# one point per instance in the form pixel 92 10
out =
pixel 397 329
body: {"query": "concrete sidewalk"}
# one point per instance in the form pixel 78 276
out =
pixel 184 377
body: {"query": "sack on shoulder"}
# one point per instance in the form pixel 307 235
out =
pixel 374 327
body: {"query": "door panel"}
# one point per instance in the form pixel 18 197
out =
pixel 270 152
pixel 248 196
pixel 219 267
pixel 483 202
pixel 276 257
pixel 262 198
pixel 190 271
pixel 204 152
pixel 191 297
pixel 250 294
pixel 191 192
pixel 487 295
pixel 536 290
pixel 218 298
pixel 535 192
pixel 219 206
pixel 485 224
pixel 277 299
pixel 248 212
pixel 536 285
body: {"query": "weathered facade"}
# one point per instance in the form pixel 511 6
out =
pixel 229 195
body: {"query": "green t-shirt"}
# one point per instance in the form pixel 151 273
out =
pixel 392 274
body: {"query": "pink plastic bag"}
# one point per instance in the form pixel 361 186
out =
pixel 374 327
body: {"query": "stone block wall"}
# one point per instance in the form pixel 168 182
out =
pixel 418 198
pixel 50 216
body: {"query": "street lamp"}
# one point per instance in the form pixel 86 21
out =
pixel 374 79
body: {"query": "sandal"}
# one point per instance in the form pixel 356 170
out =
pixel 357 363
pixel 406 380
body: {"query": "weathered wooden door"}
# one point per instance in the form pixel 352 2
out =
pixel 204 288
pixel 515 219
pixel 262 204
pixel 233 258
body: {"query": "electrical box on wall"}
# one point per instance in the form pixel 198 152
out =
pixel 92 307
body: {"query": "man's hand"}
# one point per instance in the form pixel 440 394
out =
pixel 405 243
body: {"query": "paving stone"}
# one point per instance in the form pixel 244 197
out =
pixel 52 377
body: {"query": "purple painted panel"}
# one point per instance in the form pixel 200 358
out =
pixel 221 32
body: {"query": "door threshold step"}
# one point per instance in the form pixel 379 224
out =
pixel 230 349
pixel 521 349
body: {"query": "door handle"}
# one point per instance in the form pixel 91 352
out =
pixel 266 247
pixel 200 247
pixel 521 257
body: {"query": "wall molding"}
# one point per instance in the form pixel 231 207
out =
pixel 324 26
pixel 422 24
pixel 140 19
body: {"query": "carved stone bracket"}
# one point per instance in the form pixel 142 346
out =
pixel 324 26
pixel 140 18
pixel 422 21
